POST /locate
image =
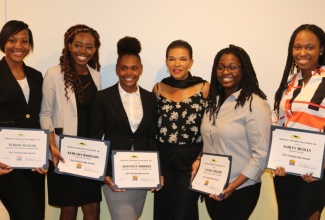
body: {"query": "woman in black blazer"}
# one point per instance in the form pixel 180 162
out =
pixel 127 126
pixel 21 190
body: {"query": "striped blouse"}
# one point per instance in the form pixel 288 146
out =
pixel 303 106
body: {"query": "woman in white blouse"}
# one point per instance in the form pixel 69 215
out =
pixel 125 114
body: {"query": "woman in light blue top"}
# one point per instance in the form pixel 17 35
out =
pixel 237 123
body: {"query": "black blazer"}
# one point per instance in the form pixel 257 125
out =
pixel 109 118
pixel 14 110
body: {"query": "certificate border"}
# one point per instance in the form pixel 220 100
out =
pixel 159 186
pixel 228 177
pixel 46 131
pixel 100 178
pixel 274 127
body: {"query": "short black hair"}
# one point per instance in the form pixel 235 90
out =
pixel 13 27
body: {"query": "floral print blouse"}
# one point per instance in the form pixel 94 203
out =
pixel 179 122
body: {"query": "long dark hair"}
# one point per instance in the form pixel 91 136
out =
pixel 249 82
pixel 71 78
pixel 291 66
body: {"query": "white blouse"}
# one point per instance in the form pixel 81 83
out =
pixel 24 87
pixel 132 106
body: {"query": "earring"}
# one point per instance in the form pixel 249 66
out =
pixel 189 70
pixel 320 54
pixel 167 70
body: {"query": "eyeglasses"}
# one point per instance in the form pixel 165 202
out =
pixel 230 68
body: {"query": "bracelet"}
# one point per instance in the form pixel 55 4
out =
pixel 198 158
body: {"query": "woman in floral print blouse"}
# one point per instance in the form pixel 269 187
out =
pixel 181 105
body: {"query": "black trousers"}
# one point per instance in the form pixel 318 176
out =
pixel 22 192
pixel 298 199
pixel 238 206
pixel 175 201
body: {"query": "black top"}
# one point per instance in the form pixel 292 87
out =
pixel 89 89
pixel 109 118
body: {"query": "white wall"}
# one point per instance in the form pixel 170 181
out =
pixel 261 27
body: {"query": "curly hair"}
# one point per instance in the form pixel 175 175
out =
pixel 248 84
pixel 68 66
pixel 291 66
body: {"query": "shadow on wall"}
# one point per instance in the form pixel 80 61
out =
pixel 162 73
pixel 108 76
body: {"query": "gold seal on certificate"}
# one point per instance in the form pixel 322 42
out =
pixel 212 176
pixel 136 170
pixel 298 151
pixel 83 157
pixel 24 148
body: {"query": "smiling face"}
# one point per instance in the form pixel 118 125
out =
pixel 306 51
pixel 17 47
pixel 82 48
pixel 229 81
pixel 128 70
pixel 179 62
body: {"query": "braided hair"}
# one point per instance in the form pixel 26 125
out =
pixel 68 66
pixel 248 84
pixel 291 66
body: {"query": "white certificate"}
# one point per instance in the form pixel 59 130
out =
pixel 136 170
pixel 213 174
pixel 83 157
pixel 24 148
pixel 298 151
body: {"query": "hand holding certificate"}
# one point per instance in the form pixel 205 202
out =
pixel 213 174
pixel 4 169
pixel 83 157
pixel 136 170
pixel 24 148
pixel 300 152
